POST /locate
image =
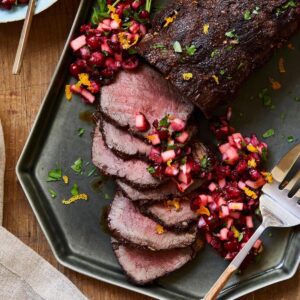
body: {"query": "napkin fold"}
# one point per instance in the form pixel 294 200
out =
pixel 24 275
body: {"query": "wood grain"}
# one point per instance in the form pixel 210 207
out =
pixel 20 98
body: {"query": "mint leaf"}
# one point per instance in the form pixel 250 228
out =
pixel 74 190
pixel 54 175
pixel 177 47
pixel 268 133
pixel 53 194
pixel 191 50
pixel 81 132
pixel 77 166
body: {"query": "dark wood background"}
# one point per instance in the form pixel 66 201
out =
pixel 20 98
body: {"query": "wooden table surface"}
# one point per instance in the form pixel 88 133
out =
pixel 20 99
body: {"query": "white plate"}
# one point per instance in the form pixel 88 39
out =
pixel 19 11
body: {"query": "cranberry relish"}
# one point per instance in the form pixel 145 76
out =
pixel 8 4
pixel 105 46
pixel 228 200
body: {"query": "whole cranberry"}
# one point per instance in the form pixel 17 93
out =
pixel 144 14
pixel 97 59
pixel 74 70
pixel 94 42
pixel 107 73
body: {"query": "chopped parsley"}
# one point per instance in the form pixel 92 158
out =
pixel 231 34
pixel 241 236
pixel 270 132
pixel 75 190
pixel 204 162
pixel 191 50
pixel 247 15
pixel 297 98
pixel 222 72
pixel 290 139
pixel 151 170
pixel 81 131
pixel 164 122
pixel 77 166
pixel 159 46
pixel 177 47
pixel 53 194
pixel 54 175
pixel 265 98
pixel 214 53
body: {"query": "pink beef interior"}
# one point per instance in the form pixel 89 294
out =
pixel 128 224
pixel 143 91
pixel 144 266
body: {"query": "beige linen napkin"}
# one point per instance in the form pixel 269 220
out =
pixel 24 275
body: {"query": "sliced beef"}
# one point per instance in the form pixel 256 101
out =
pixel 175 214
pixel 128 225
pixel 166 191
pixel 143 91
pixel 134 172
pixel 144 266
pixel 122 143
pixel 229 46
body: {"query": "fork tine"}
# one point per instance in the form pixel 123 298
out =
pixel 294 191
pixel 281 169
pixel 291 174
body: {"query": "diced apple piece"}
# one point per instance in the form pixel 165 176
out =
pixel 79 42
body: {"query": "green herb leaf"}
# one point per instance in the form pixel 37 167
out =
pixel 290 3
pixel 247 15
pixel 204 162
pixel 241 236
pixel 75 190
pixel 268 133
pixel 81 131
pixel 266 98
pixel 77 166
pixel 231 34
pixel 177 47
pixel 151 170
pixel 183 161
pixel 297 98
pixel 222 72
pixel 264 154
pixel 158 46
pixel 106 196
pixel 191 50
pixel 54 175
pixel 53 194
pixel 214 53
pixel 290 139
pixel 164 122
pixel 256 10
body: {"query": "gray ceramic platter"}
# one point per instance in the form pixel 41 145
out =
pixel 74 233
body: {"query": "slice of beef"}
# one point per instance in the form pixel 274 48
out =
pixel 228 46
pixel 122 143
pixel 128 225
pixel 134 172
pixel 144 266
pixel 143 91
pixel 169 216
pixel 167 190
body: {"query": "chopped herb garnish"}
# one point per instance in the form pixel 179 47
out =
pixel 222 72
pixel 77 166
pixel 228 48
pixel 256 10
pixel 177 47
pixel 241 236
pixel 81 131
pixel 240 65
pixel 297 98
pixel 54 175
pixel 214 53
pixel 204 162
pixel 53 194
pixel 131 51
pixel 74 190
pixel 290 139
pixel 151 170
pixel 268 133
pixel 159 46
pixel 231 34
pixel 106 196
pixel 183 161
pixel 257 212
pixel 247 15
pixel 100 12
pixel 290 3
pixel 191 50
pixel 265 97
pixel 264 154
pixel 164 122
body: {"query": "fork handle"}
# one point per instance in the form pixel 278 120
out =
pixel 234 265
